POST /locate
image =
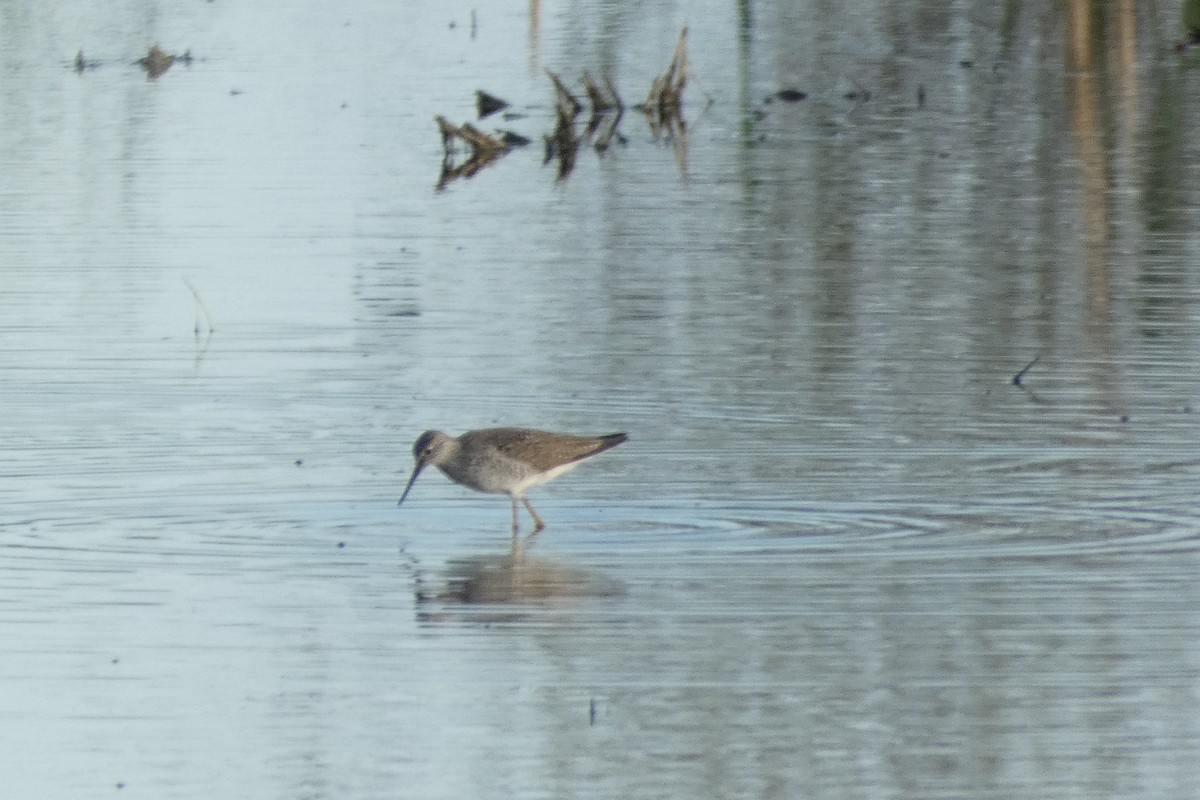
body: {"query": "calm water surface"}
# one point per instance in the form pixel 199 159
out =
pixel 842 554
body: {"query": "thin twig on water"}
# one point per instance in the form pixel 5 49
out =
pixel 208 318
pixel 1016 381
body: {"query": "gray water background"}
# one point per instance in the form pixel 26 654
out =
pixel 842 555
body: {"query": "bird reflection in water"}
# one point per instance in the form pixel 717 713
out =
pixel 513 579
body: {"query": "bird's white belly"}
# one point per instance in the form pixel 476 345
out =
pixel 537 478
pixel 504 476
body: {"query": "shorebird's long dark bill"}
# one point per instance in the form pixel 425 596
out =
pixel 416 471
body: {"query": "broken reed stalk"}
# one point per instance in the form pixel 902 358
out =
pixel 482 145
pixel 599 100
pixel 612 92
pixel 604 98
pixel 565 103
pixel 666 91
pixel 448 131
pixel 562 145
pixel 677 73
pixel 485 149
pixel 480 142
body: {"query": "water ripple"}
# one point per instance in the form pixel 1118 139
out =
pixel 906 529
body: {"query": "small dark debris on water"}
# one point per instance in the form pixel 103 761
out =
pixel 788 96
pixel 1189 43
pixel 513 139
pixel 592 712
pixel 966 63
pixel 341 545
pixel 858 94
pixel 158 61
pixel 299 462
pixel 607 138
pixel 921 95
pixel 1016 381
pixel 81 64
pixel 488 104
pixel 1124 418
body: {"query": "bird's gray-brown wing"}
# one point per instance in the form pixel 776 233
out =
pixel 543 450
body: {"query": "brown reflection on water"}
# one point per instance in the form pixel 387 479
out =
pixel 1095 176
pixel 1088 123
